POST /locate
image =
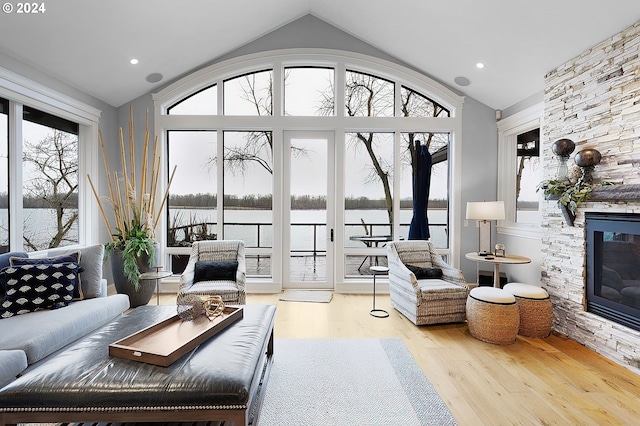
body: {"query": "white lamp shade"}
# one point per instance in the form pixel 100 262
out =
pixel 485 210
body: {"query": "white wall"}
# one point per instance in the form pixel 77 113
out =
pixel 479 174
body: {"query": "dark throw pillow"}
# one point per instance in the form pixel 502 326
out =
pixel 425 273
pixel 66 258
pixel 213 271
pixel 31 288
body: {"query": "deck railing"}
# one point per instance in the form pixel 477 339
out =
pixel 260 237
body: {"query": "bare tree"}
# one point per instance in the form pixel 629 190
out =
pixel 238 159
pixel 258 147
pixel 416 105
pixel 365 96
pixel 55 162
pixel 371 96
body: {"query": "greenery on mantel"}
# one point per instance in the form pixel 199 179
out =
pixel 569 195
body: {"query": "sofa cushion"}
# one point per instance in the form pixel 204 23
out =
pixel 435 289
pixel 32 288
pixel 41 333
pixel 71 257
pixel 91 260
pixel 12 363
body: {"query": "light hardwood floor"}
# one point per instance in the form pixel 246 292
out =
pixel 552 381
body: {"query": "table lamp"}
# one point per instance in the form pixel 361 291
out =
pixel 484 212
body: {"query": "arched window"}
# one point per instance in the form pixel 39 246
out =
pixel 307 158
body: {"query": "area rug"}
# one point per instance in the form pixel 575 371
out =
pixel 316 296
pixel 345 382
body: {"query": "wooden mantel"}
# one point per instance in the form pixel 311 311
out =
pixel 616 193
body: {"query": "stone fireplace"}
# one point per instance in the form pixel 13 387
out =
pixel 594 100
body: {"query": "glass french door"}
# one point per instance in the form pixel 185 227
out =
pixel 308 213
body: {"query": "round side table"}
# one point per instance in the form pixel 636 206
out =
pixel 378 270
pixel 156 276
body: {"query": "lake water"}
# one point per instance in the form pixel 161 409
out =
pixel 243 224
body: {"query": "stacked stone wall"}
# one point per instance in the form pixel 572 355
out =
pixel 594 100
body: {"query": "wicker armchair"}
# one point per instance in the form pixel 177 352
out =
pixel 231 291
pixel 425 301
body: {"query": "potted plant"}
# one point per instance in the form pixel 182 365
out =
pixel 136 214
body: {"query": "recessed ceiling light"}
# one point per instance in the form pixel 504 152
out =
pixel 480 65
pixel 133 61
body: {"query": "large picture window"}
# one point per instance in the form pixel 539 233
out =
pixel 48 142
pixel 277 195
pixel 50 180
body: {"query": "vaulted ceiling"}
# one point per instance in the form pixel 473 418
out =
pixel 88 44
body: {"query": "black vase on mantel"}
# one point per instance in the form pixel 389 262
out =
pixel 145 290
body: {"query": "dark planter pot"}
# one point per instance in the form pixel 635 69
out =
pixel 179 263
pixel 145 290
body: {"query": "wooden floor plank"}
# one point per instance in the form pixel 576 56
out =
pixel 551 381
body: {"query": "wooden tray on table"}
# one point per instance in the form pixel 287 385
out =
pixel 165 342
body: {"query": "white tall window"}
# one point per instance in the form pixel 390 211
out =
pixel 519 171
pixel 47 142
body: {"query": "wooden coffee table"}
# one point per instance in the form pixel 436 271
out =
pixel 223 379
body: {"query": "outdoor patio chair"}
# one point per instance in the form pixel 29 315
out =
pixel 431 297
pixel 216 268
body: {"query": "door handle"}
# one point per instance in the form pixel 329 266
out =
pixel 331 234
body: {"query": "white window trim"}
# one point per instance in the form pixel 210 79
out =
pixel 23 91
pixel 508 130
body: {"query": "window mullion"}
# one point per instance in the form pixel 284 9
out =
pixel 277 97
pixel 339 90
pixel 16 218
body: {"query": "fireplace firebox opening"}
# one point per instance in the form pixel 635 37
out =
pixel 613 267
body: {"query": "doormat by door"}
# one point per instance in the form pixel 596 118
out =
pixel 316 296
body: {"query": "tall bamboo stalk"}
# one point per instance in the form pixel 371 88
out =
pixel 128 210
pixel 166 195
pixel 132 151
pixel 124 174
pixel 104 216
pixel 143 177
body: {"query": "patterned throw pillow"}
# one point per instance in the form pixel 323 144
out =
pixel 31 288
pixel 70 257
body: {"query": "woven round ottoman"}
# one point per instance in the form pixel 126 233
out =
pixel 536 312
pixel 492 315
